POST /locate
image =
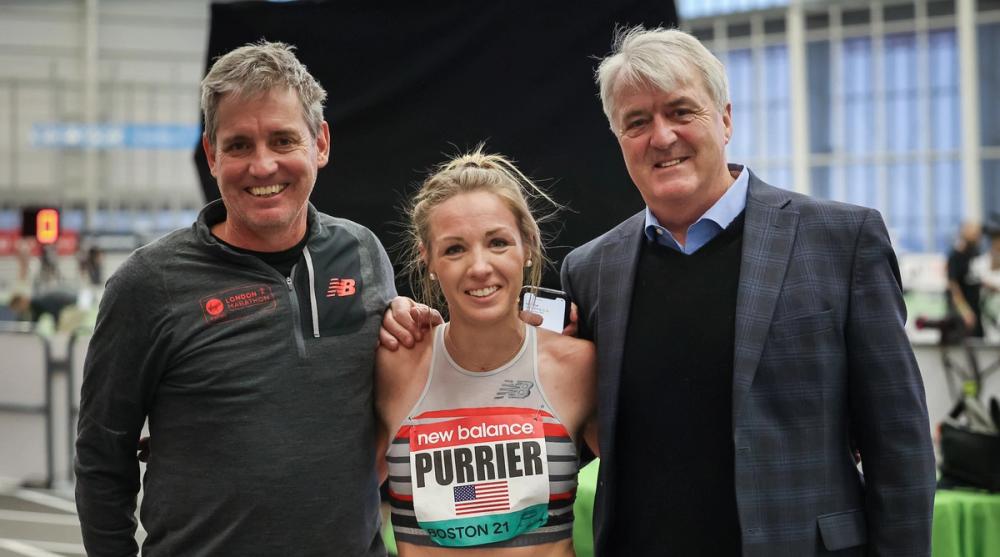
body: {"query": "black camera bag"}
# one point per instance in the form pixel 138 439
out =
pixel 970 457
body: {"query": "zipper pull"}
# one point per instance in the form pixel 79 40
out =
pixel 288 281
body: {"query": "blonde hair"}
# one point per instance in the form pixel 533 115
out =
pixel 475 171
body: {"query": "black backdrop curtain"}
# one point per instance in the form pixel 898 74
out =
pixel 411 84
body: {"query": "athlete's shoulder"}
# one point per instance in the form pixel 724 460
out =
pixel 570 352
pixel 403 363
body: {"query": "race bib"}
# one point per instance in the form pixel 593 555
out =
pixel 480 479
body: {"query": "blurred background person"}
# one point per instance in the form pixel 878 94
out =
pixel 963 282
pixel 92 266
pixel 18 308
pixel 988 267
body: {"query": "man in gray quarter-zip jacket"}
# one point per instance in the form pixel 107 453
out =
pixel 248 342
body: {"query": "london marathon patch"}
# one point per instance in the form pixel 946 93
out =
pixel 237 303
pixel 480 479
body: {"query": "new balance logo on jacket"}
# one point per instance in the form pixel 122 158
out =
pixel 340 287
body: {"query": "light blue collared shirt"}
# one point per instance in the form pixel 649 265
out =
pixel 715 219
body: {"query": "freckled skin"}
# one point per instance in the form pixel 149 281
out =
pixel 476 244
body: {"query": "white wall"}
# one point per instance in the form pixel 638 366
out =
pixel 150 58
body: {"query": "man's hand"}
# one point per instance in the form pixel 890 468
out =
pixel 535 319
pixel 405 323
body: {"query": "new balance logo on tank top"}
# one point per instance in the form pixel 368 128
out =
pixel 482 459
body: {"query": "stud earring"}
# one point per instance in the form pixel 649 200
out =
pixel 527 263
pixel 433 277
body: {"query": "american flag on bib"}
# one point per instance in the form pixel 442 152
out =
pixel 481 498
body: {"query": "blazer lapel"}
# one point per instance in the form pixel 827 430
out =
pixel 768 236
pixel 619 260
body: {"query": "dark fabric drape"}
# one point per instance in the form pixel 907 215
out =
pixel 413 83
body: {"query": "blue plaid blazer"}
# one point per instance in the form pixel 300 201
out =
pixel 821 359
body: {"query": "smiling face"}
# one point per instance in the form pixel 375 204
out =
pixel 674 148
pixel 478 255
pixel 265 161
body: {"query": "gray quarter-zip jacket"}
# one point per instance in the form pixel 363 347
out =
pixel 258 391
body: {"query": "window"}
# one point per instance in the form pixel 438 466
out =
pixel 882 86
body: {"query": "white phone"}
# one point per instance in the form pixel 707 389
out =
pixel 552 305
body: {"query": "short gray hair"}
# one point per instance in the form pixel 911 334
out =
pixel 255 69
pixel 664 59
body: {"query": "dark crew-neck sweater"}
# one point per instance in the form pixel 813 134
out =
pixel 674 491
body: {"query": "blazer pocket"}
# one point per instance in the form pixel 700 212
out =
pixel 802 325
pixel 843 529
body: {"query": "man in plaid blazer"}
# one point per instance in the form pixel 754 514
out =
pixel 733 405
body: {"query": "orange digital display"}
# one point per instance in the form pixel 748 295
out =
pixel 47 226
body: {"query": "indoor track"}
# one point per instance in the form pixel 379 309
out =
pixel 37 523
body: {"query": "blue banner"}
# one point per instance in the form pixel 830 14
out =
pixel 115 136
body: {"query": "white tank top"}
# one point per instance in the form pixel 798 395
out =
pixel 492 461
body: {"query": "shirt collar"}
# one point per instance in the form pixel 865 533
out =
pixel 721 213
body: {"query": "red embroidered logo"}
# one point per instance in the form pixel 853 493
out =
pixel 341 287
pixel 237 303
pixel 214 307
